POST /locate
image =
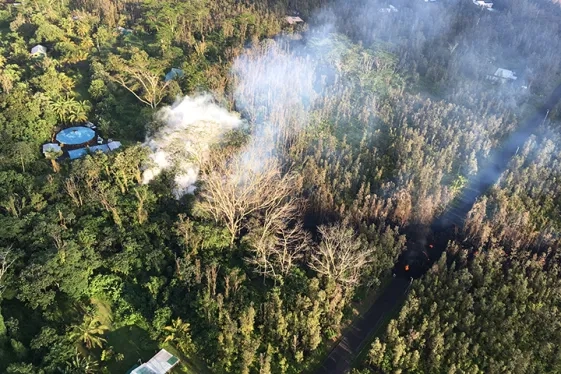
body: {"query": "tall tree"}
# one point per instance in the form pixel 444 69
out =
pixel 7 259
pixel 90 332
pixel 140 74
pixel 340 256
pixel 179 333
pixel 235 189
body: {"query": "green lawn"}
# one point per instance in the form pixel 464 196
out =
pixel 134 343
pixel 136 346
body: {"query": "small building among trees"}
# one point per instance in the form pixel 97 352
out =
pixel 483 4
pixel 77 142
pixel 38 50
pixel 161 363
pixel 51 148
pixel 174 73
pixel 502 76
pixel 294 20
pixel 124 31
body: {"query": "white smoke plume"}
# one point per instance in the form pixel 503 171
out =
pixel 189 128
pixel 277 83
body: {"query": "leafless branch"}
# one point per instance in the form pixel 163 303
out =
pixel 340 255
pixel 7 259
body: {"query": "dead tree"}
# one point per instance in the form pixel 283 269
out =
pixel 7 259
pixel 340 256
pixel 236 189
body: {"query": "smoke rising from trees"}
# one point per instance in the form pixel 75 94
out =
pixel 189 128
pixel 275 86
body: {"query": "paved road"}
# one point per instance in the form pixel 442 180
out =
pixel 340 359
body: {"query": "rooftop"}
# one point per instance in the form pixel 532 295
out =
pixel 51 147
pixel 293 20
pixel 114 145
pixel 174 73
pixel 105 148
pixel 124 31
pixel 505 74
pixel 77 153
pixel 39 50
pixel 161 363
pixel 483 3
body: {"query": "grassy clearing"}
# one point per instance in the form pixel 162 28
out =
pixel 134 344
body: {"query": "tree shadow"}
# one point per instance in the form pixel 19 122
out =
pixel 134 343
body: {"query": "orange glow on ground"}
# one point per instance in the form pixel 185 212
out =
pixel 406 267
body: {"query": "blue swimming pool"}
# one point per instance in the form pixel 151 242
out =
pixel 75 135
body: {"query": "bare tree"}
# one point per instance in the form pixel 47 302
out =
pixel 107 196
pixel 262 241
pixel 235 189
pixel 73 190
pixel 277 247
pixel 340 256
pixel 293 242
pixel 272 241
pixel 7 259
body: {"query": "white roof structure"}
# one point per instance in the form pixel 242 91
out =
pixel 293 20
pixel 505 74
pixel 51 147
pixel 483 4
pixel 390 9
pixel 124 30
pixel 39 50
pixel 114 145
pixel 161 363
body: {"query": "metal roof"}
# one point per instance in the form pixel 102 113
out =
pixel 102 148
pixel 174 73
pixel 114 145
pixel 39 49
pixel 293 20
pixel 77 153
pixel 161 363
pixel 51 147
pixel 505 74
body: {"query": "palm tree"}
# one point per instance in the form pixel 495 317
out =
pixel 69 110
pixel 81 365
pixel 178 333
pixel 89 332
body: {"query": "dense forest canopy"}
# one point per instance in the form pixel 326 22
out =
pixel 267 182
